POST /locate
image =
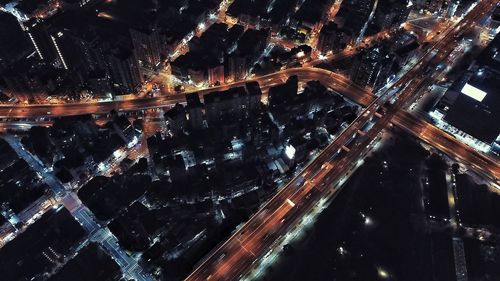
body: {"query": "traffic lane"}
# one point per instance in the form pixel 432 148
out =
pixel 411 88
pixel 47 109
pixel 304 204
pixel 447 143
pixel 264 236
pixel 304 74
pixel 252 224
pixel 250 247
pixel 224 264
pixel 265 233
pixel 276 200
pixel 261 241
pixel 422 128
pixel 80 109
pixel 229 267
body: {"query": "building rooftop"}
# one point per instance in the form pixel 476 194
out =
pixel 176 111
pixel 224 95
pixel 496 14
pixel 30 6
pixel 476 110
pixel 193 100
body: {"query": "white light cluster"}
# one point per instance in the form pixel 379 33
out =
pixel 36 46
pixel 473 92
pixel 290 151
pixel 59 51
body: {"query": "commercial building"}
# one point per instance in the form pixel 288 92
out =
pixel 470 109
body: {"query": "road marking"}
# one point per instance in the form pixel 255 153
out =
pixel 248 251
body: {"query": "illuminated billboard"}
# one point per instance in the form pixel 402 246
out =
pixel 473 92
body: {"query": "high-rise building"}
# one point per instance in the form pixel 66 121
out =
pixel 436 6
pixel 236 68
pixel 18 79
pixel 332 38
pixel 195 111
pixel 176 119
pixel 363 6
pixel 58 41
pixel 38 32
pixel 124 70
pixel 87 54
pixel 391 13
pixel 495 19
pixel 233 103
pixel 147 46
pixel 15 42
pixel 99 82
pixel 283 94
pixel 371 68
pixel 216 74
pixel 254 95
pixel 452 8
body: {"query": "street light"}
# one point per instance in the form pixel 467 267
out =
pixel 368 221
pixel 382 273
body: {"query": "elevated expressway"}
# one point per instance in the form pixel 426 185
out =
pixel 322 177
pixel 8 112
pixel 335 81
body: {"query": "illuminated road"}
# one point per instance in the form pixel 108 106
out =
pixel 81 213
pixel 338 82
pixel 21 111
pixel 447 144
pixel 305 74
pixel 236 256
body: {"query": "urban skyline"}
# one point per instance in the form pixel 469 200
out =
pixel 214 140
